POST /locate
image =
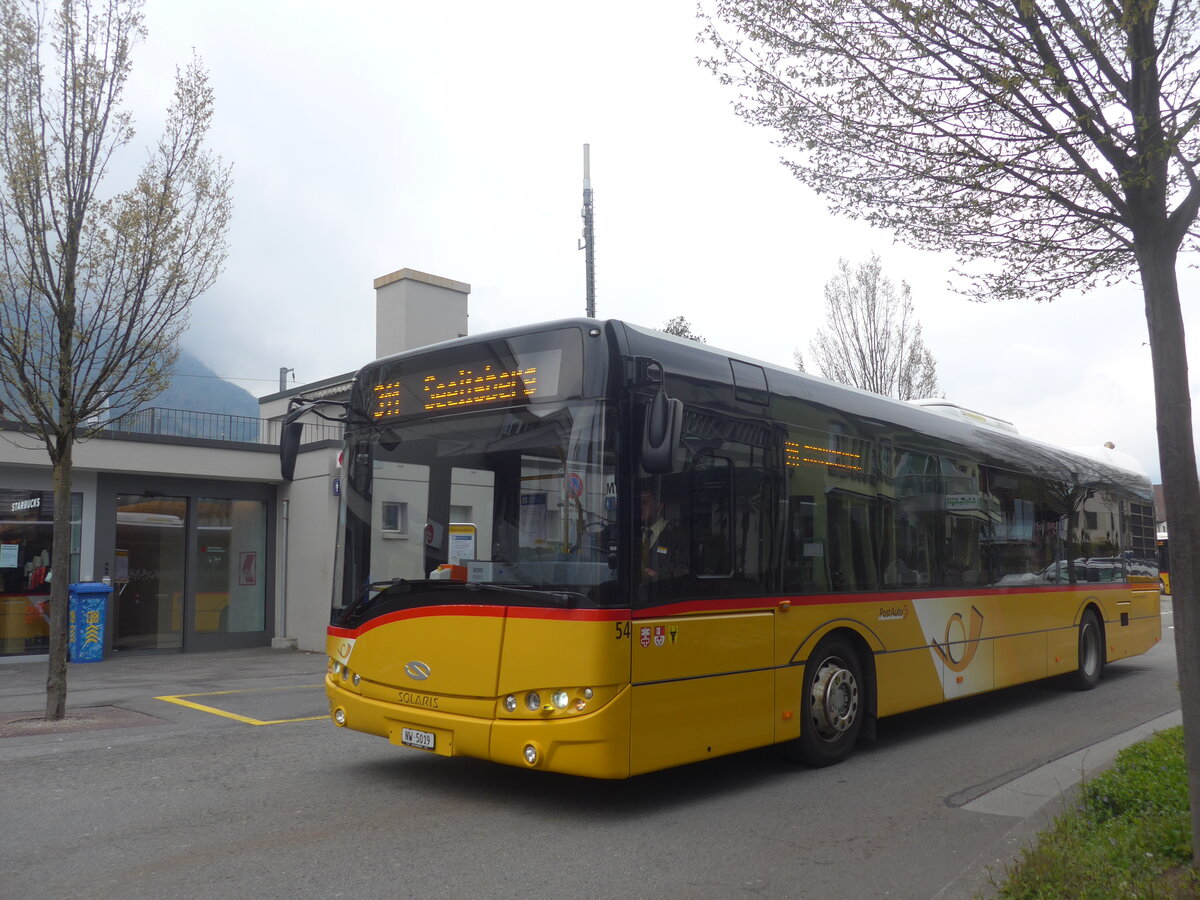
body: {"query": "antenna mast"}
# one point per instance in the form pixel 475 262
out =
pixel 588 244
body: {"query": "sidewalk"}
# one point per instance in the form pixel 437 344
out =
pixel 97 693
pixel 1034 800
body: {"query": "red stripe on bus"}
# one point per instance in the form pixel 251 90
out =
pixel 574 615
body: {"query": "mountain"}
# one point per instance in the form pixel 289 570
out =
pixel 198 403
pixel 197 400
pixel 197 388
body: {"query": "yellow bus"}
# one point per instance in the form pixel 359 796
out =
pixel 591 548
pixel 1164 562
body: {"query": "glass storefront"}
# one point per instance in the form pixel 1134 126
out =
pixel 26 537
pixel 189 570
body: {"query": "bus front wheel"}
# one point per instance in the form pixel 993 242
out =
pixel 1091 652
pixel 832 705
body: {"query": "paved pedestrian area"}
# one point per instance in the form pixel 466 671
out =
pixel 250 687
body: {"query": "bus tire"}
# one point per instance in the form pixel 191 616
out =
pixel 1091 652
pixel 833 704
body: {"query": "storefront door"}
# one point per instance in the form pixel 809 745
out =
pixel 148 574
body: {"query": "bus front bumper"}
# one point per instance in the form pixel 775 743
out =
pixel 595 745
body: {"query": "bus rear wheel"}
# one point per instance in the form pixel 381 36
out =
pixel 1091 652
pixel 832 705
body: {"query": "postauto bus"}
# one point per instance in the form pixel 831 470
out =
pixel 506 589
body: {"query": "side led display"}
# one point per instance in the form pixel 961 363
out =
pixel 796 454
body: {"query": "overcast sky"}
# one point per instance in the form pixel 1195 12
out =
pixel 448 138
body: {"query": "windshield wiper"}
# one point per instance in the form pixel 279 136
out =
pixel 560 598
pixel 384 585
pixel 379 586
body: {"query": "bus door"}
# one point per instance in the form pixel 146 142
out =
pixel 702 635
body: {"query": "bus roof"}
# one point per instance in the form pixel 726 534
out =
pixel 688 364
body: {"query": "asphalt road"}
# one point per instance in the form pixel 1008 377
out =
pixel 201 801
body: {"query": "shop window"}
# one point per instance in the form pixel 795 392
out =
pixel 26 541
pixel 230 590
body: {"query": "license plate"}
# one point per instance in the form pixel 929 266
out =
pixel 410 737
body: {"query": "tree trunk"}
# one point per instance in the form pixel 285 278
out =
pixel 1181 490
pixel 60 570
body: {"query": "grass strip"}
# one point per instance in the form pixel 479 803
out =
pixel 1129 836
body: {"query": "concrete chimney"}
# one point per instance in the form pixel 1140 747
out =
pixel 413 309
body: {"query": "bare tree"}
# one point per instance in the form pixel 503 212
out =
pixel 1050 145
pixel 681 327
pixel 95 290
pixel 871 337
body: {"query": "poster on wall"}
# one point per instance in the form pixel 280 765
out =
pixel 8 555
pixel 248 568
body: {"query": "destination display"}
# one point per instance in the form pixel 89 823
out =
pixel 528 376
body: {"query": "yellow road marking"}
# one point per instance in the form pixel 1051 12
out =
pixel 179 700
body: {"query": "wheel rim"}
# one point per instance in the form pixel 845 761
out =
pixel 833 699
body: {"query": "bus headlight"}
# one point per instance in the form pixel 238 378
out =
pixel 552 703
pixel 531 754
pixel 339 716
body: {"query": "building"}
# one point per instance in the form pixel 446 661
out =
pixel 186 515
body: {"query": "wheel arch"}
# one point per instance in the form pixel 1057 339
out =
pixel 1092 604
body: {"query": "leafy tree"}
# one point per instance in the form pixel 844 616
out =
pixel 1051 146
pixel 871 337
pixel 95 289
pixel 681 327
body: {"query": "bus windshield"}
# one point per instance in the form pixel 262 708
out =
pixel 516 503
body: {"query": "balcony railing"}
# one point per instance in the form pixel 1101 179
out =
pixel 184 423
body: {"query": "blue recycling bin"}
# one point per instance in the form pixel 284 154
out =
pixel 89 609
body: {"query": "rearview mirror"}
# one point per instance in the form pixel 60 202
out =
pixel 289 448
pixel 660 433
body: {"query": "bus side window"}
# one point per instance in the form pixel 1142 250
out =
pixel 707 520
pixel 804 551
pixel 730 529
pixel 1028 538
pixel 719 505
pixel 806 542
